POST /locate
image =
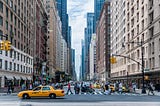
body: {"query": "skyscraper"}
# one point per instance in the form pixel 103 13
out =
pixel 82 73
pixel 98 4
pixel 88 34
pixel 62 11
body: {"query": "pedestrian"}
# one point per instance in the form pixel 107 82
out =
pixel 150 88
pixel 9 88
pixel 75 88
pixel 69 89
pixel 30 86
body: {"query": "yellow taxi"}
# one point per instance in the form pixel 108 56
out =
pixel 41 91
pixel 96 85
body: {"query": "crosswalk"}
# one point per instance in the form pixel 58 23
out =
pixel 106 93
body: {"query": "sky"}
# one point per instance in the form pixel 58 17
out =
pixel 77 11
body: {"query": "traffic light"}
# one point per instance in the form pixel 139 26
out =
pixel 2 46
pixel 113 60
pixel 8 45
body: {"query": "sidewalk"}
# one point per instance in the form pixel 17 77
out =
pixel 140 92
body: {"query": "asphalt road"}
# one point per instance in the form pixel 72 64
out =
pixel 83 100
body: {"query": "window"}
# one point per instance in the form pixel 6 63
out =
pixel 159 44
pixel 1 33
pixel 152 47
pixel 14 66
pixel 11 53
pixel 17 67
pixel 132 11
pixel 1 6
pixel 11 4
pixel 15 8
pixel 132 22
pixel 18 56
pixel 6 25
pixel 138 17
pixel 151 17
pixel 45 88
pixel 6 12
pixel 18 23
pixel 37 89
pixel 1 21
pixel 137 29
pixel 150 4
pixel 6 53
pixel 6 65
pixel 11 16
pixel 142 11
pixel 14 54
pixel 142 25
pixel 0 63
pixel 151 32
pixel 137 4
pixel 10 65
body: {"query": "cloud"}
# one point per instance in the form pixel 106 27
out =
pixel 77 10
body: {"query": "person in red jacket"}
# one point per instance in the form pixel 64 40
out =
pixel 69 89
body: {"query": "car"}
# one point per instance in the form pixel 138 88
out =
pixel 41 91
pixel 96 85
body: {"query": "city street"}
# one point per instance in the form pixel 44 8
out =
pixel 85 100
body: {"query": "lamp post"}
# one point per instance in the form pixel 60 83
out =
pixel 142 54
pixel 142 64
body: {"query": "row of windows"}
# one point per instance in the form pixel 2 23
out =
pixel 18 56
pixel 15 67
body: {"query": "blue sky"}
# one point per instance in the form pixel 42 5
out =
pixel 77 10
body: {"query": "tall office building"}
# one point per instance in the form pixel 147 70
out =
pixel 103 43
pixel 62 11
pixel 88 34
pixel 98 4
pixel 82 72
pixel 74 76
pixel 92 58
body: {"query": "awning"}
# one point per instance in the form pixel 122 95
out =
pixel 9 77
pixel 23 77
pixel 29 78
pixel 17 77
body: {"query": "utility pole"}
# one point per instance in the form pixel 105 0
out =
pixel 143 87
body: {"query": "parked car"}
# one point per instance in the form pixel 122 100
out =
pixel 41 91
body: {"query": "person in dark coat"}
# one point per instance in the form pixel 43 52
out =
pixel 150 88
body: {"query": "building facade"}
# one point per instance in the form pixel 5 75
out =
pixel 82 72
pixel 40 42
pixel 53 31
pixel 92 57
pixel 103 43
pixel 98 4
pixel 140 27
pixel 74 76
pixel 16 25
pixel 88 34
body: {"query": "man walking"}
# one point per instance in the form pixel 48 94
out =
pixel 69 89
pixel 150 88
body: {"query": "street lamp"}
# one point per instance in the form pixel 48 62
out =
pixel 142 64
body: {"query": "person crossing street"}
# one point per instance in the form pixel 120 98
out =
pixel 69 88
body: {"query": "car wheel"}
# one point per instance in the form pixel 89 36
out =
pixel 52 96
pixel 25 96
